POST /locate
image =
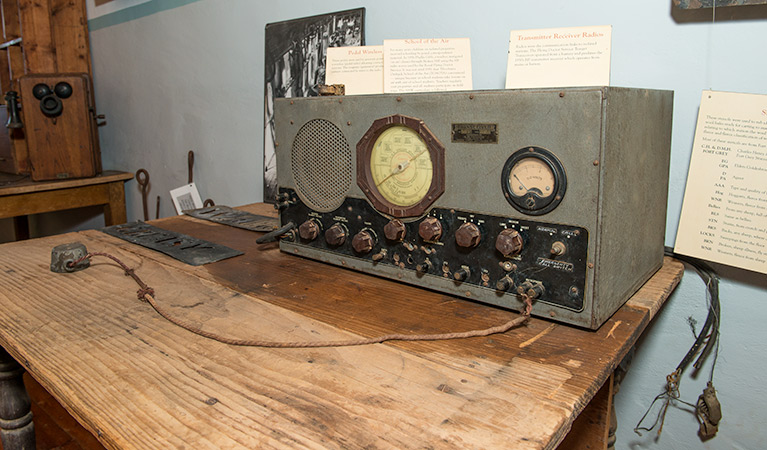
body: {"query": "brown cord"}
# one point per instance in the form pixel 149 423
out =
pixel 146 293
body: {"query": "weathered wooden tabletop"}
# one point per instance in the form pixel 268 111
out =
pixel 137 381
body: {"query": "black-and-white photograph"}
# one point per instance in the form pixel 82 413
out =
pixel 295 67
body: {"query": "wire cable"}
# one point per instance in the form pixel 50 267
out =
pixel 707 339
pixel 147 294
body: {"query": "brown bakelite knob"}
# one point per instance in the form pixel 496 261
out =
pixel 430 229
pixel 467 235
pixel 336 235
pixel 394 230
pixel 309 230
pixel 509 242
pixel 363 242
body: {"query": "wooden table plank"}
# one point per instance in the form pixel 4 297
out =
pixel 26 185
pixel 138 381
pixel 300 285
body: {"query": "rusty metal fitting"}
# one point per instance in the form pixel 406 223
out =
pixel 63 257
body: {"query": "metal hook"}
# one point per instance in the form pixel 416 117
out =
pixel 143 181
pixel 191 166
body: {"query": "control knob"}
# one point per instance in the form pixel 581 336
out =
pixel 509 242
pixel 309 230
pixel 532 289
pixel 395 230
pixel 336 235
pixel 558 248
pixel 363 242
pixel 467 235
pixel 430 229
pixel 423 267
pixel 462 274
pixel 504 284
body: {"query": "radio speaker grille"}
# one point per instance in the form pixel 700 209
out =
pixel 322 165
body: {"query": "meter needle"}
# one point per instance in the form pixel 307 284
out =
pixel 521 183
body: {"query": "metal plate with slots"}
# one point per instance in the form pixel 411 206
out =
pixel 235 218
pixel 187 249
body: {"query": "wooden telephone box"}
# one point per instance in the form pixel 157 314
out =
pixel 46 42
pixel 58 115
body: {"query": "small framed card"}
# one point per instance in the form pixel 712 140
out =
pixel 186 197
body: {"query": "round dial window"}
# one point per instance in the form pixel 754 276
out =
pixel 400 166
pixel 534 181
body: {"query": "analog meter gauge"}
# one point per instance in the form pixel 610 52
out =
pixel 533 181
pixel 400 166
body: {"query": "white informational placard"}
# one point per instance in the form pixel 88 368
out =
pixel 724 214
pixel 427 65
pixel 359 69
pixel 186 197
pixel 559 57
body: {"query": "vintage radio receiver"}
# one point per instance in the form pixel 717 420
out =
pixel 559 194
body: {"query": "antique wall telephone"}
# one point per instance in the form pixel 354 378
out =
pixel 57 114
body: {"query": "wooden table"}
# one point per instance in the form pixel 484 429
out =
pixel 19 199
pixel 137 381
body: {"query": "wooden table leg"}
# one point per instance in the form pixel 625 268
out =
pixel 16 428
pixel 590 429
pixel 21 227
pixel 618 375
pixel 114 211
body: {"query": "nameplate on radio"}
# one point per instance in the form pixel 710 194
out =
pixel 475 133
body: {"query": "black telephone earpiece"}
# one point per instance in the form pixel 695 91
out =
pixel 50 100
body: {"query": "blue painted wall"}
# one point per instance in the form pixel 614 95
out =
pixel 181 75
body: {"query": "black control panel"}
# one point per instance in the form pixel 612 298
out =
pixel 501 254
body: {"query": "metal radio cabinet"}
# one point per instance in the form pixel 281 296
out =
pixel 559 194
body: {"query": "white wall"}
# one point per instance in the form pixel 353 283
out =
pixel 192 78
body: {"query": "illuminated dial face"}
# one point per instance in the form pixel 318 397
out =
pixel 532 176
pixel 401 167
